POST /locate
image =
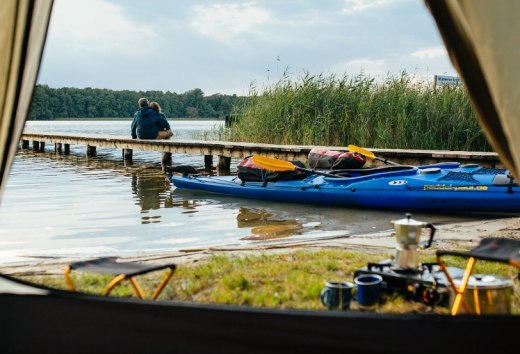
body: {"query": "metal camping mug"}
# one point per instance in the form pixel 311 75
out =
pixel 368 289
pixel 337 295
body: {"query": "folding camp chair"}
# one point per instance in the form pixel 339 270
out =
pixel 121 271
pixel 490 249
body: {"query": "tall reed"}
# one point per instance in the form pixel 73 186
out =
pixel 337 111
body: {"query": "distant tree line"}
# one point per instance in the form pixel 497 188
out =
pixel 51 103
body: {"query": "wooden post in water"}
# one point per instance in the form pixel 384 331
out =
pixel 208 162
pixel 25 144
pixel 224 163
pixel 58 148
pixel 91 151
pixel 166 159
pixel 127 155
pixel 36 145
pixel 67 149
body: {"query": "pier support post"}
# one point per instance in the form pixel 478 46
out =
pixel 127 155
pixel 25 144
pixel 36 145
pixel 224 164
pixel 67 149
pixel 166 159
pixel 91 151
pixel 58 148
pixel 208 162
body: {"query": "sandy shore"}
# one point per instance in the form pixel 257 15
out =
pixel 463 236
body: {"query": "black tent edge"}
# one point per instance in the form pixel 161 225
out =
pixel 65 322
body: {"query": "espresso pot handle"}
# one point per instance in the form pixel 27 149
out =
pixel 432 232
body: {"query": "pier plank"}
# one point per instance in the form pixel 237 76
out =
pixel 226 150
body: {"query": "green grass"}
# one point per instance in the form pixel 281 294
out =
pixel 289 281
pixel 337 111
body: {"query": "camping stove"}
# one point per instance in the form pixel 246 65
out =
pixel 404 274
pixel 425 283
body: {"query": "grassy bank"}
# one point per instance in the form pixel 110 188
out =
pixel 337 111
pixel 289 280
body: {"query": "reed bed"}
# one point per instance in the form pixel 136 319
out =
pixel 397 112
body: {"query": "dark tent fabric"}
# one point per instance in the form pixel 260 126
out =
pixel 63 322
pixel 23 30
pixel 482 39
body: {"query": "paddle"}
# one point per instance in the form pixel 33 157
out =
pixel 268 163
pixel 369 154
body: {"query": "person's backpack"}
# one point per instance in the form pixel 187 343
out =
pixel 321 158
pixel 248 171
pixel 349 160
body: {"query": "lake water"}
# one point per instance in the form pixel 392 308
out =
pixel 61 206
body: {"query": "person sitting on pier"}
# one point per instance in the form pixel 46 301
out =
pixel 147 123
pixel 165 131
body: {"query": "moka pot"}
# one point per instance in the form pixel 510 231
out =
pixel 408 233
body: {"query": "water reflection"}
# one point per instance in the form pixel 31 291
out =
pixel 151 191
pixel 265 226
pixel 265 220
pixel 80 206
pixel 189 206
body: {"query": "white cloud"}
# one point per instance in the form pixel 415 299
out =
pixel 355 6
pixel 420 67
pixel 371 67
pixel 227 21
pixel 225 45
pixel 430 53
pixel 96 26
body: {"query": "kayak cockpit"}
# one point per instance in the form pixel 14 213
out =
pixel 358 172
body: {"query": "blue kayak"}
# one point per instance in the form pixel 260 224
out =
pixel 438 187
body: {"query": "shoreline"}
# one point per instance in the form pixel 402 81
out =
pixel 461 236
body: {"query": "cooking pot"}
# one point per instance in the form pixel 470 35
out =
pixel 486 294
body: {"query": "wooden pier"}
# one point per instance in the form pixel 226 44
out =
pixel 225 150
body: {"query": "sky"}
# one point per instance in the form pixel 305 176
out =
pixel 228 47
